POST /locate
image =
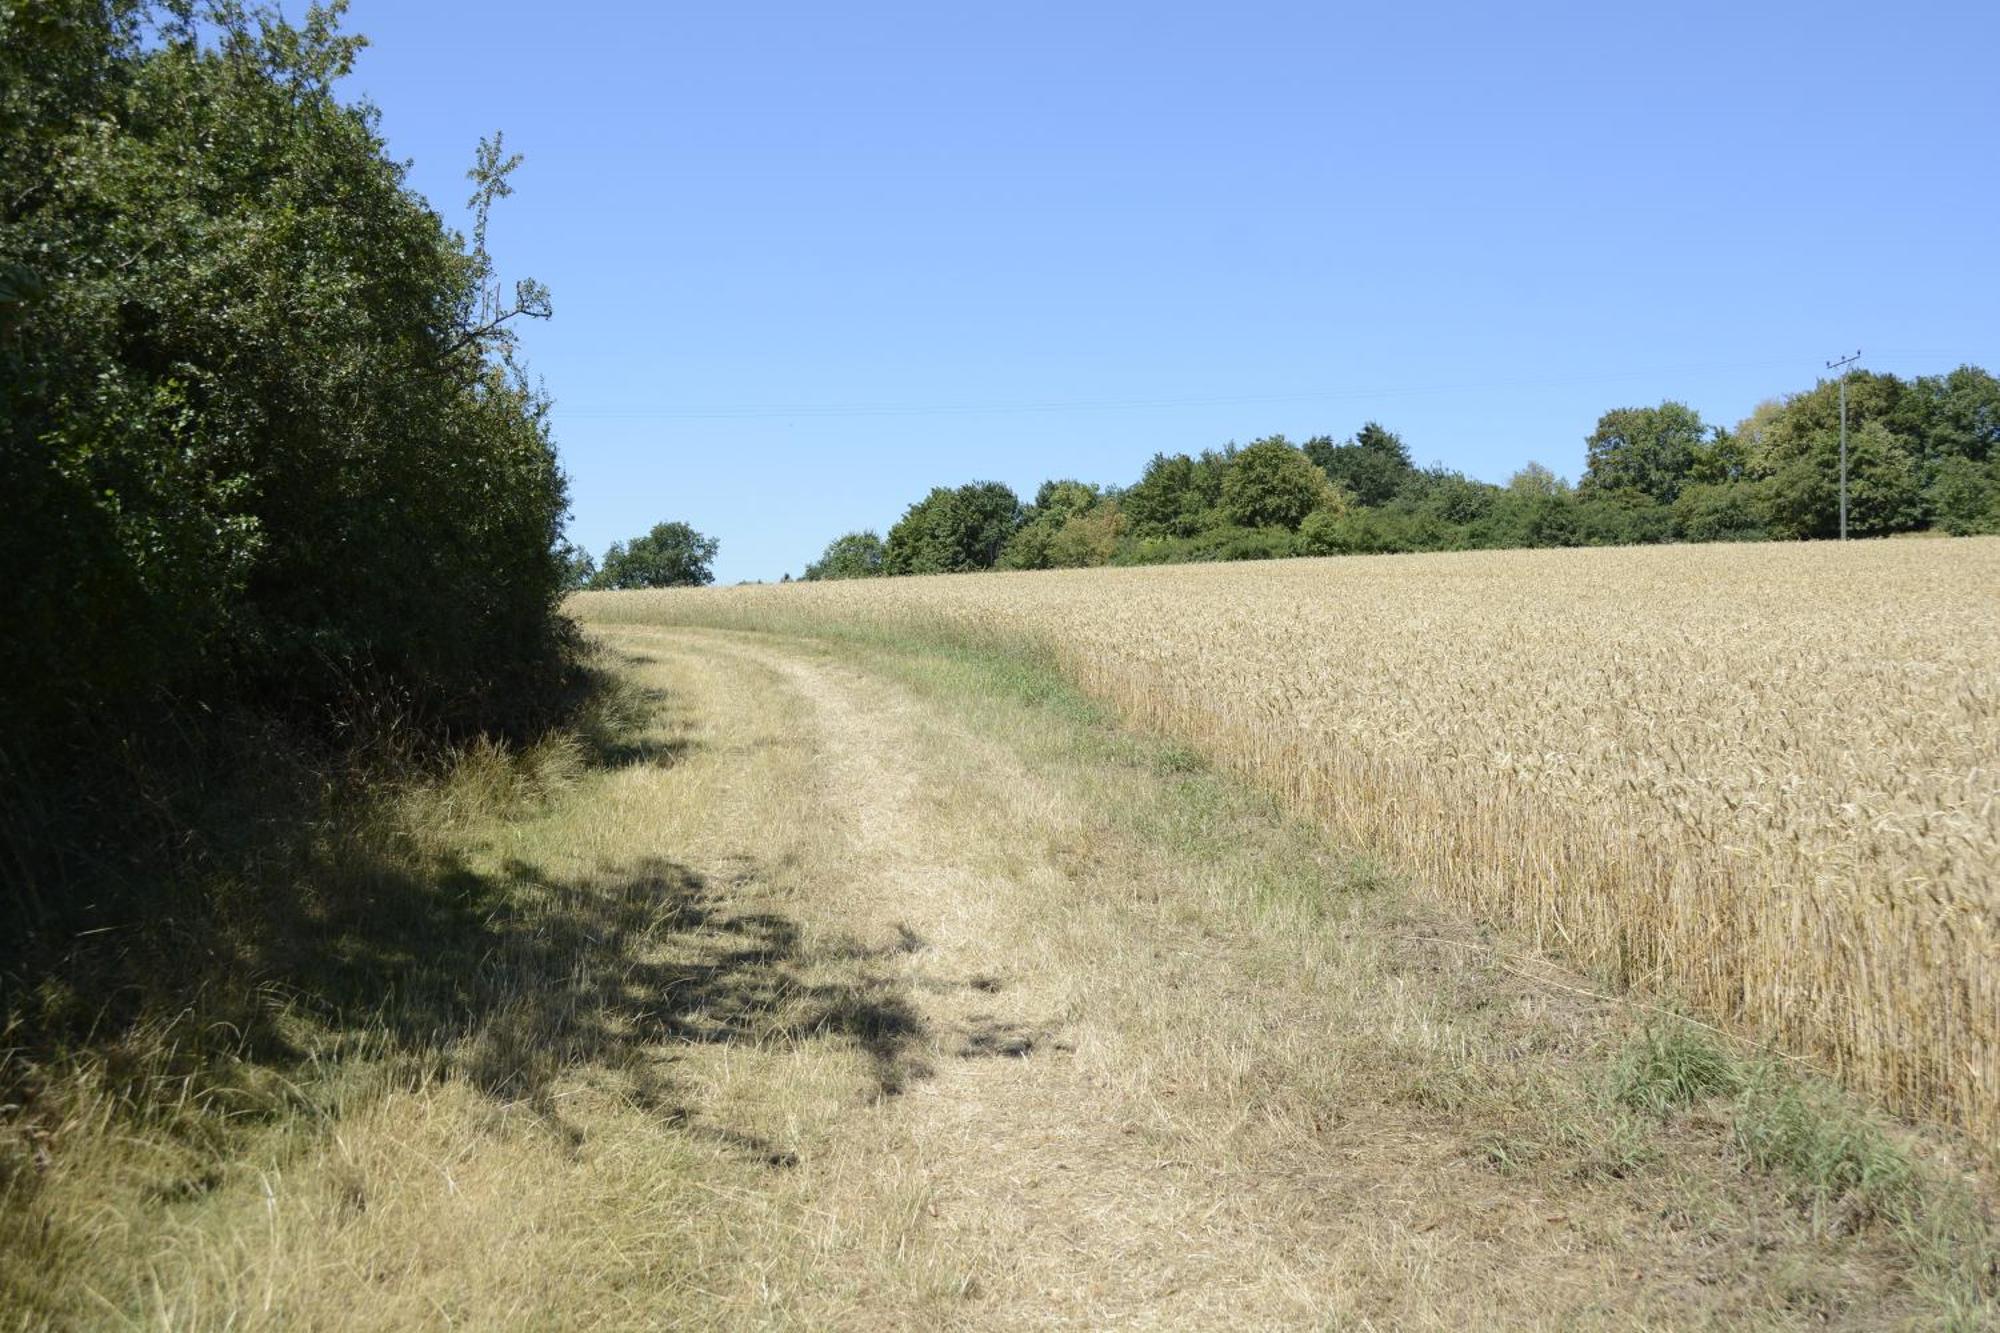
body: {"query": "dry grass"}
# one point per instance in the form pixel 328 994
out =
pixel 1760 777
pixel 865 989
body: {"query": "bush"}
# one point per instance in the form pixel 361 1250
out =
pixel 1070 525
pixel 1718 512
pixel 1622 517
pixel 1240 543
pixel 1375 532
pixel 263 443
pixel 1088 538
pixel 1964 496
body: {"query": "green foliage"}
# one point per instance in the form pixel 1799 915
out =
pixel 1245 543
pixel 1647 450
pixel 1964 496
pixel 1720 459
pixel 1536 508
pixel 1536 482
pixel 1063 500
pixel 1902 437
pixel 1071 535
pixel 1923 451
pixel 1956 415
pixel 1361 531
pixel 1802 497
pixel 578 567
pixel 1723 511
pixel 1834 1153
pixel 1450 497
pixel 672 555
pixel 1372 467
pixel 1034 543
pixel 856 555
pixel 1621 517
pixel 1270 484
pixel 953 530
pixel 274 481
pixel 264 437
pixel 1177 495
pixel 1671 1067
pixel 1089 538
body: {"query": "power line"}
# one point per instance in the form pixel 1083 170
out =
pixel 817 411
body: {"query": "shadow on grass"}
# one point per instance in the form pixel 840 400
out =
pixel 519 976
pixel 658 753
pixel 507 981
pixel 229 993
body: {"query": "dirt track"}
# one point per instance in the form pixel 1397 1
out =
pixel 1157 1058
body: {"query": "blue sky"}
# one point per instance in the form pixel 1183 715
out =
pixel 810 260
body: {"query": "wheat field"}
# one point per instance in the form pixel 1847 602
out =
pixel 1757 780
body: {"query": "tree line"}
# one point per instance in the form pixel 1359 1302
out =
pixel 1922 453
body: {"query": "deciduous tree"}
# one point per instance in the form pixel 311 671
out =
pixel 952 530
pixel 672 555
pixel 1271 484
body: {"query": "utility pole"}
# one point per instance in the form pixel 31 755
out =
pixel 1841 365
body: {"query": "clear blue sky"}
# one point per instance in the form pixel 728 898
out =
pixel 810 259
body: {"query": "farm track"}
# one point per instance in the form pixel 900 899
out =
pixel 1122 1095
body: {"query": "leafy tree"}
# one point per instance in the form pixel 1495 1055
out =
pixel 1904 435
pixel 263 440
pixel 1270 484
pixel 1087 538
pixel 1650 450
pixel 1959 415
pixel 1057 503
pixel 1801 498
pixel 1451 497
pixel 672 555
pixel 1537 508
pixel 1178 495
pixel 578 567
pixel 953 530
pixel 1722 458
pixel 1535 480
pixel 1798 426
pixel 1372 467
pixel 857 555
pixel 1063 500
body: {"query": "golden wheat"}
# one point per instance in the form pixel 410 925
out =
pixel 1761 778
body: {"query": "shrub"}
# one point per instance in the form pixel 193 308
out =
pixel 1718 512
pixel 1964 496
pixel 1088 538
pixel 263 442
